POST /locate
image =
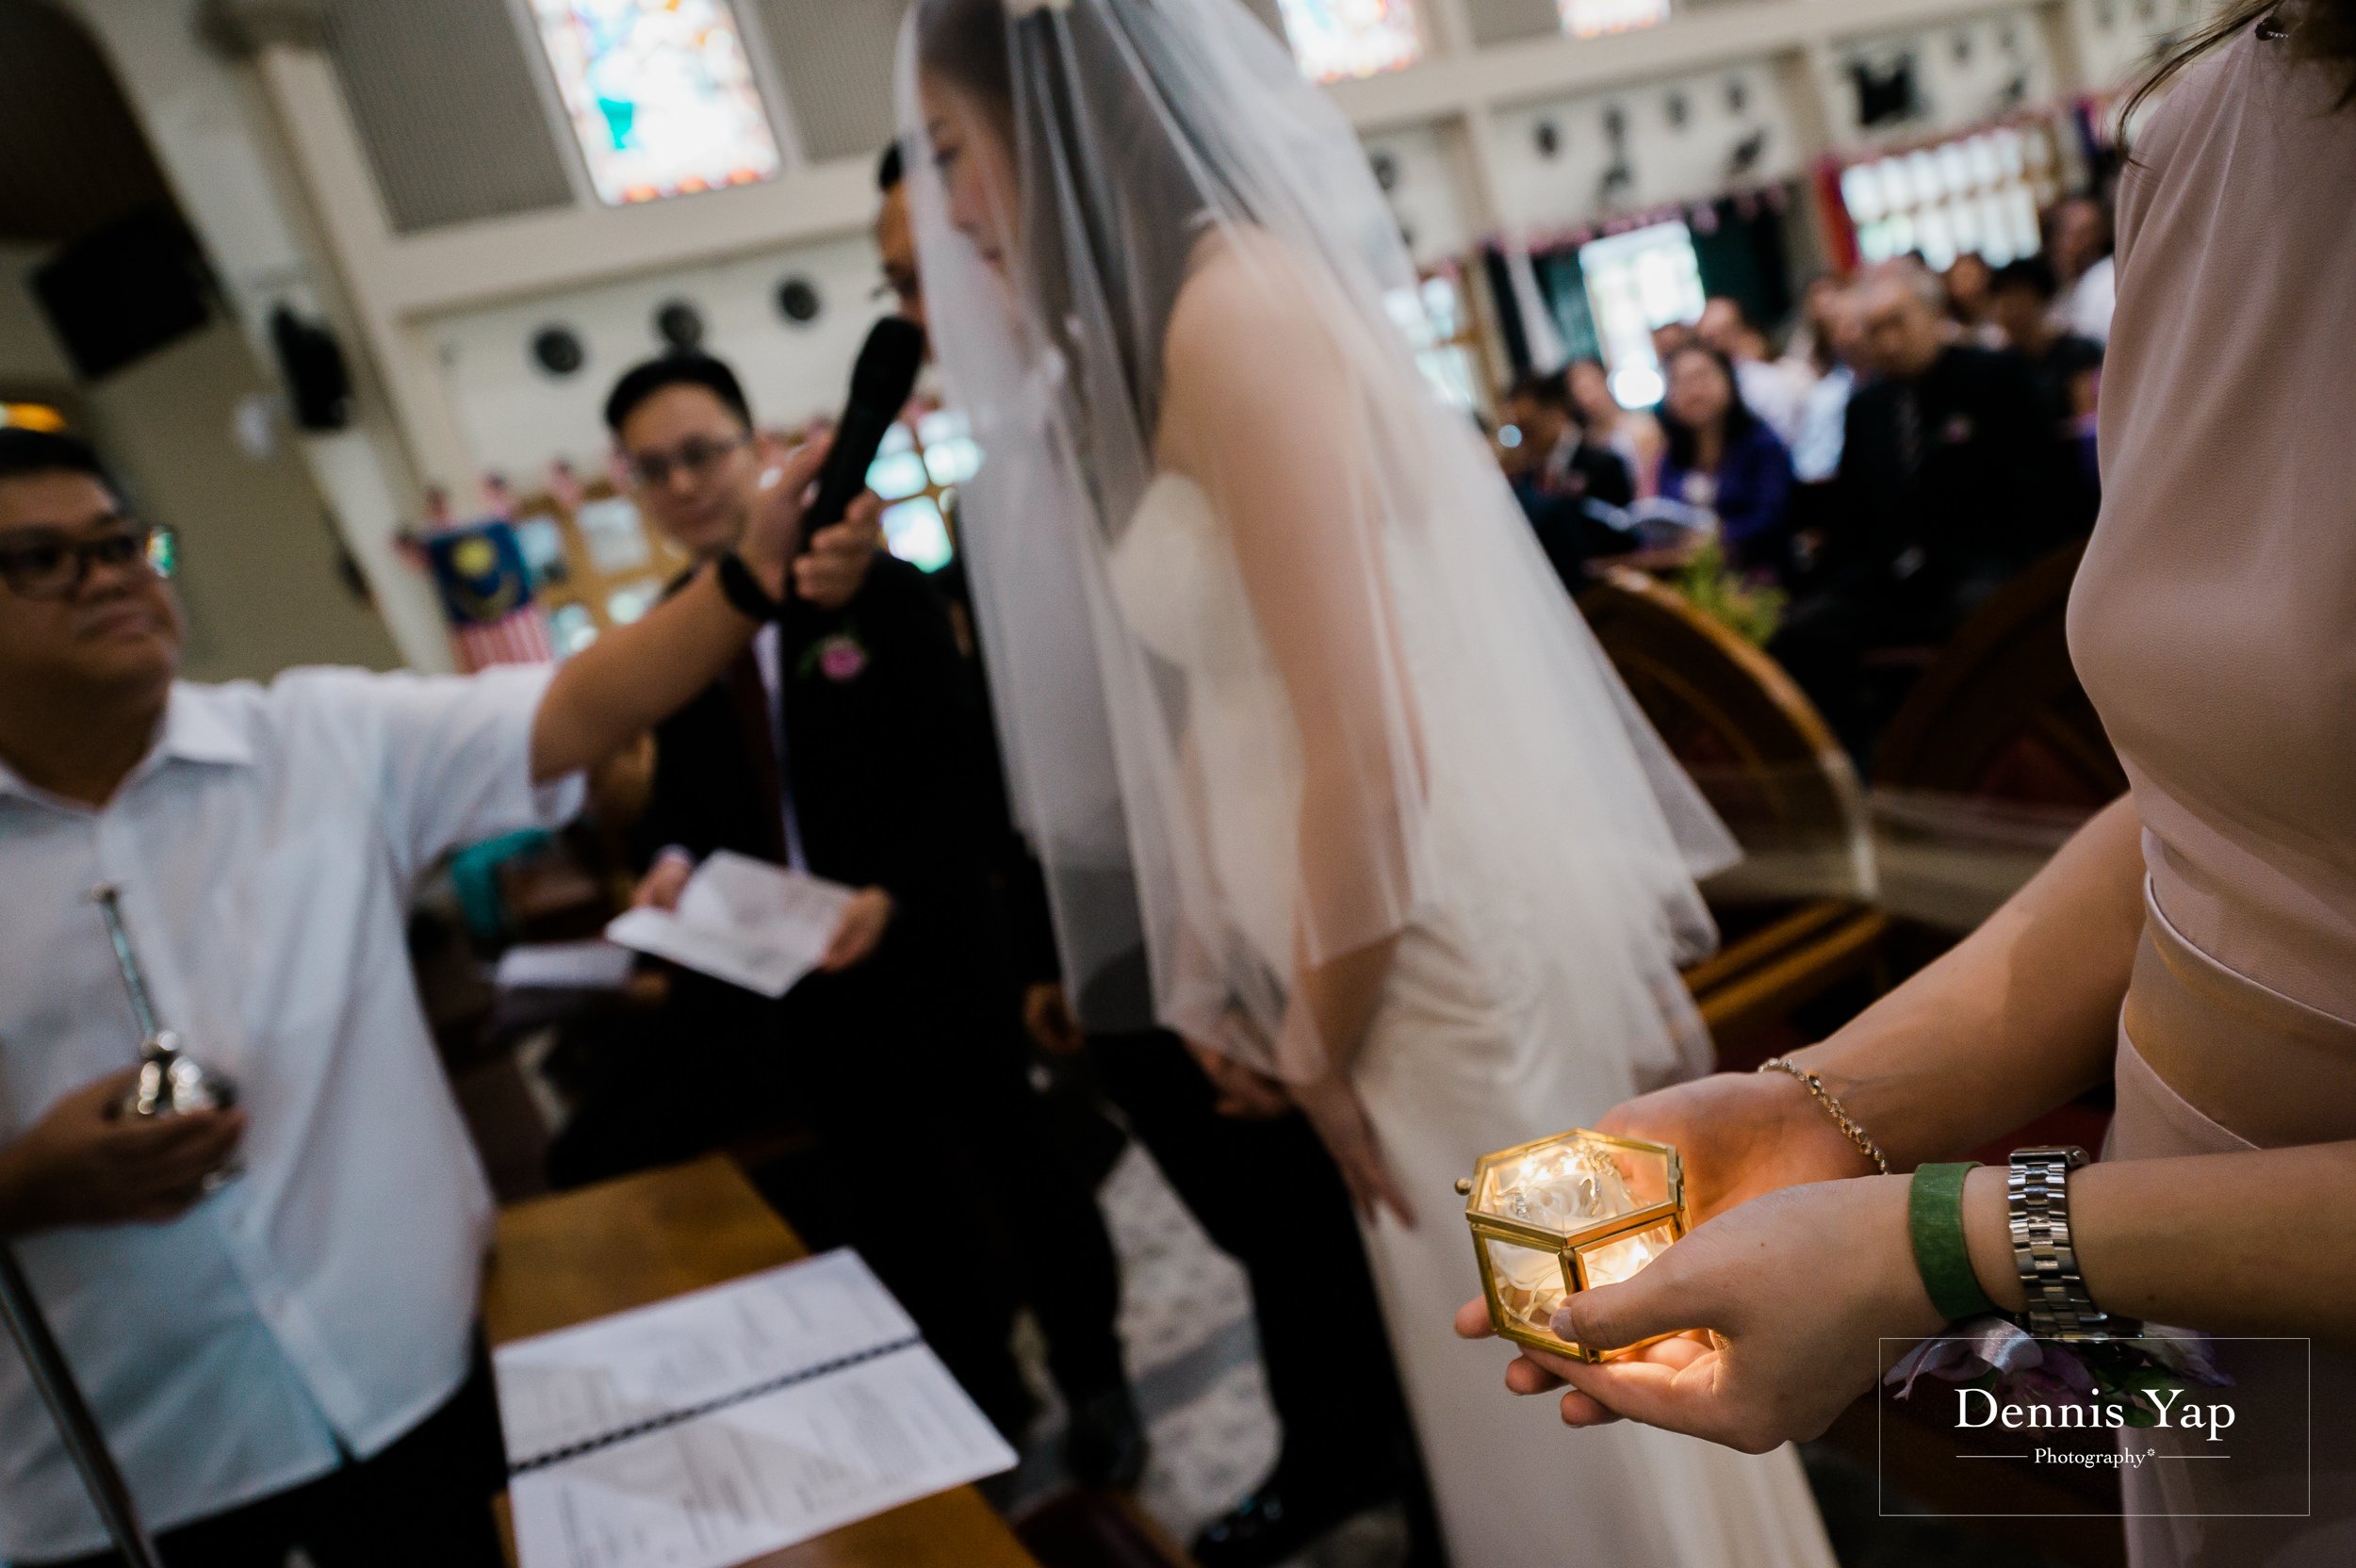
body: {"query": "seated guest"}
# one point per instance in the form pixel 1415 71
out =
pixel 1970 304
pixel 1946 452
pixel 1562 480
pixel 2078 240
pixel 1669 337
pixel 1951 482
pixel 1806 351
pixel 1560 460
pixel 1630 433
pixel 1836 338
pixel 1773 389
pixel 1722 458
pixel 290 1361
pixel 846 742
pixel 1836 342
pixel 2069 367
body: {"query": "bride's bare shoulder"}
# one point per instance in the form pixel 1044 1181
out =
pixel 1247 307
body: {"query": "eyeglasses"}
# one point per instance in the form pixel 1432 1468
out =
pixel 37 564
pixel 695 458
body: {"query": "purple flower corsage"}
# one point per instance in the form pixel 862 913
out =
pixel 842 657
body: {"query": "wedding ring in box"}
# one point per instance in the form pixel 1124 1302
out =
pixel 1565 1215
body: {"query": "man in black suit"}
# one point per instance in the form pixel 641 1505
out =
pixel 1953 479
pixel 846 743
pixel 1562 478
pixel 2068 368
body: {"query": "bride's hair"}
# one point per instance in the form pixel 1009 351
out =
pixel 1116 170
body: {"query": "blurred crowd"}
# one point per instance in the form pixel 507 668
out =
pixel 1920 439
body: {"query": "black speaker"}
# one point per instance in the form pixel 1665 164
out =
pixel 799 302
pixel 125 291
pixel 1886 94
pixel 680 326
pixel 556 348
pixel 319 384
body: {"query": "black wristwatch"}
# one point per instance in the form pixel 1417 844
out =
pixel 745 590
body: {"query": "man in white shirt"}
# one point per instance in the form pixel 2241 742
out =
pixel 1824 411
pixel 289 1361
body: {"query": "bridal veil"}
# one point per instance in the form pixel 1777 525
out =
pixel 1467 741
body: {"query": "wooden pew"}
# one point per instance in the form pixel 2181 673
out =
pixel 1795 920
pixel 1994 760
pixel 1996 756
pixel 563 1260
pixel 2001 714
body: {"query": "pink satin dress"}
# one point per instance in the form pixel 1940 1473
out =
pixel 2213 624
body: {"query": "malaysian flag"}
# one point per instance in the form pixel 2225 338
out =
pixel 486 593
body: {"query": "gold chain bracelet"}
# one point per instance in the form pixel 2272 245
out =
pixel 1839 1113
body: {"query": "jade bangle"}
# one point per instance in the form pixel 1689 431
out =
pixel 1935 1215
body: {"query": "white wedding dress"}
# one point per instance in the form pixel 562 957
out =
pixel 1477 1046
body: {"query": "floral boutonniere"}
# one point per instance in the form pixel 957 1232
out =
pixel 841 657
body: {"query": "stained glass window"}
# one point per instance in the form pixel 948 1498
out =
pixel 1338 39
pixel 1446 342
pixel 661 93
pixel 1595 18
pixel 1978 196
pixel 916 532
pixel 918 469
pixel 1637 282
pixel 951 453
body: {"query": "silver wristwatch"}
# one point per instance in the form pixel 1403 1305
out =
pixel 2038 1200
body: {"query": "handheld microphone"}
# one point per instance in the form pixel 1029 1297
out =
pixel 880 388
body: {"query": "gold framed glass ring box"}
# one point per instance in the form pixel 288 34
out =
pixel 1566 1214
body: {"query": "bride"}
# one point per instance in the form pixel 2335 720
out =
pixel 1293 708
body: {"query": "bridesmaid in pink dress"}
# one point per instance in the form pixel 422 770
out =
pixel 2198 940
pixel 2213 624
